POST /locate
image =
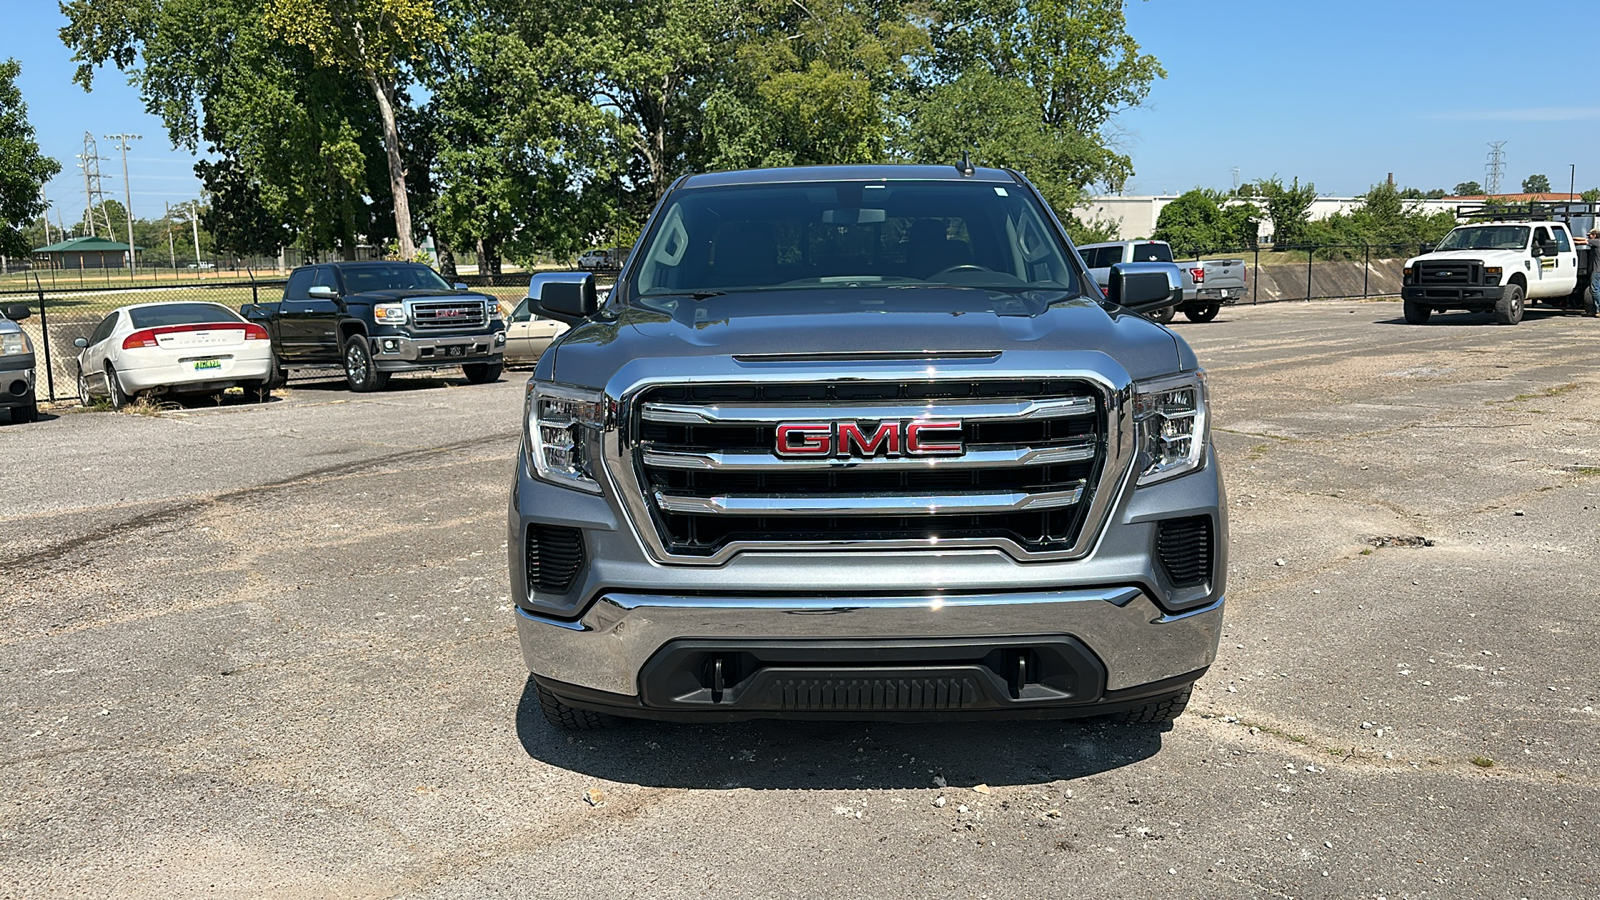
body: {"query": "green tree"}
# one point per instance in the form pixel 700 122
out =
pixel 1053 72
pixel 1468 189
pixel 23 169
pixel 301 142
pixel 1535 184
pixel 1592 195
pixel 1289 208
pixel 378 40
pixel 1202 221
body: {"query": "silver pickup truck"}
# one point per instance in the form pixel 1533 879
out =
pixel 1208 285
pixel 864 442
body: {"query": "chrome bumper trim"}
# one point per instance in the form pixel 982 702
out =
pixel 609 645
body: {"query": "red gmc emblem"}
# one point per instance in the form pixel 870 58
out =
pixel 919 437
pixel 449 314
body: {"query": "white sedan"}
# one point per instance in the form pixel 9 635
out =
pixel 172 348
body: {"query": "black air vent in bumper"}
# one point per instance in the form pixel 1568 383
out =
pixel 1186 548
pixel 555 556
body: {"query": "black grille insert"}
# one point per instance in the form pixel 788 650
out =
pixel 555 556
pixel 1186 548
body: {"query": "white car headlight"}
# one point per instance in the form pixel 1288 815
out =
pixel 389 313
pixel 1170 414
pixel 562 425
pixel 15 344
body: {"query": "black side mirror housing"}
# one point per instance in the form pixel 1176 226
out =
pixel 16 312
pixel 1548 248
pixel 1145 286
pixel 568 297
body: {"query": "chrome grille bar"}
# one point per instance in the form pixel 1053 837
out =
pixel 868 504
pixel 1079 451
pixel 754 414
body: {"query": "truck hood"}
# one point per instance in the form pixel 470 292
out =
pixel 1488 257
pixel 932 321
pixel 415 294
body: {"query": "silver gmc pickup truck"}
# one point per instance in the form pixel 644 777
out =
pixel 864 442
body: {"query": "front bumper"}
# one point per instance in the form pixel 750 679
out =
pixel 1454 297
pixel 17 381
pixel 1045 654
pixel 404 353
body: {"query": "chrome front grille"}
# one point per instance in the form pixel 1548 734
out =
pixel 705 460
pixel 441 315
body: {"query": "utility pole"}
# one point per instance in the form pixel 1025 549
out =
pixel 45 215
pixel 127 189
pixel 194 219
pixel 172 251
pixel 89 161
pixel 1572 185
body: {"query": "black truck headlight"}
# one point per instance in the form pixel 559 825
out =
pixel 563 423
pixel 1170 414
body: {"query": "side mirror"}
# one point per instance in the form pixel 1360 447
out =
pixel 564 296
pixel 1144 286
pixel 80 343
pixel 16 312
pixel 1549 248
pixel 322 292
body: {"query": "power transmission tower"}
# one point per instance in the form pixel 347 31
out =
pixel 89 161
pixel 127 189
pixel 1494 168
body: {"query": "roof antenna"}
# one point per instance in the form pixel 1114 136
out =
pixel 965 166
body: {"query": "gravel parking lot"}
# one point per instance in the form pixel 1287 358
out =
pixel 267 651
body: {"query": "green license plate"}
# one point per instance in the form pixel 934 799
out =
pixel 200 365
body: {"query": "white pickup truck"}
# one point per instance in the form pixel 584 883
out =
pixel 1499 267
pixel 1208 285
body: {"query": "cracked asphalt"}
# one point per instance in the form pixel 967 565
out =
pixel 268 651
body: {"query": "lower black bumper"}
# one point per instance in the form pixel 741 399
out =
pixel 887 680
pixel 1470 297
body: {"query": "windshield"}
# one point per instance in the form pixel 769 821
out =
pixel 1486 237
pixel 398 277
pixel 845 235
pixel 181 314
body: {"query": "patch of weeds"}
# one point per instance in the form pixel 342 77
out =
pixel 1483 762
pixel 1279 732
pixel 1555 391
pixel 1586 470
pixel 145 406
pixel 1366 551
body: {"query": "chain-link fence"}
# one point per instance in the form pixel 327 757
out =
pixel 1323 272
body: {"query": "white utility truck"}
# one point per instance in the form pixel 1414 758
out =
pixel 1505 259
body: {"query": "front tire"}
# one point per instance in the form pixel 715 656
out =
pixel 1163 315
pixel 84 398
pixel 1509 310
pixel 1417 313
pixel 1203 314
pixel 483 373
pixel 568 718
pixel 1159 711
pixel 360 372
pixel 24 414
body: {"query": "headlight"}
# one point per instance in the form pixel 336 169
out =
pixel 1491 274
pixel 1405 275
pixel 389 313
pixel 15 344
pixel 1170 414
pixel 561 423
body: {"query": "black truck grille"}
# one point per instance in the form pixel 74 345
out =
pixel 1446 272
pixel 440 315
pixel 1032 451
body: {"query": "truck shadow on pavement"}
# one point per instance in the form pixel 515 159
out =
pixel 1529 315
pixel 784 755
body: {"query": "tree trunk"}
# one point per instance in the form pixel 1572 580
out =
pixel 383 91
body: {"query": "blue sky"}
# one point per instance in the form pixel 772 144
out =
pixel 1340 94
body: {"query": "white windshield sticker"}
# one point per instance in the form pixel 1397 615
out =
pixel 1001 191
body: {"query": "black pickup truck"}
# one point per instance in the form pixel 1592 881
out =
pixel 373 319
